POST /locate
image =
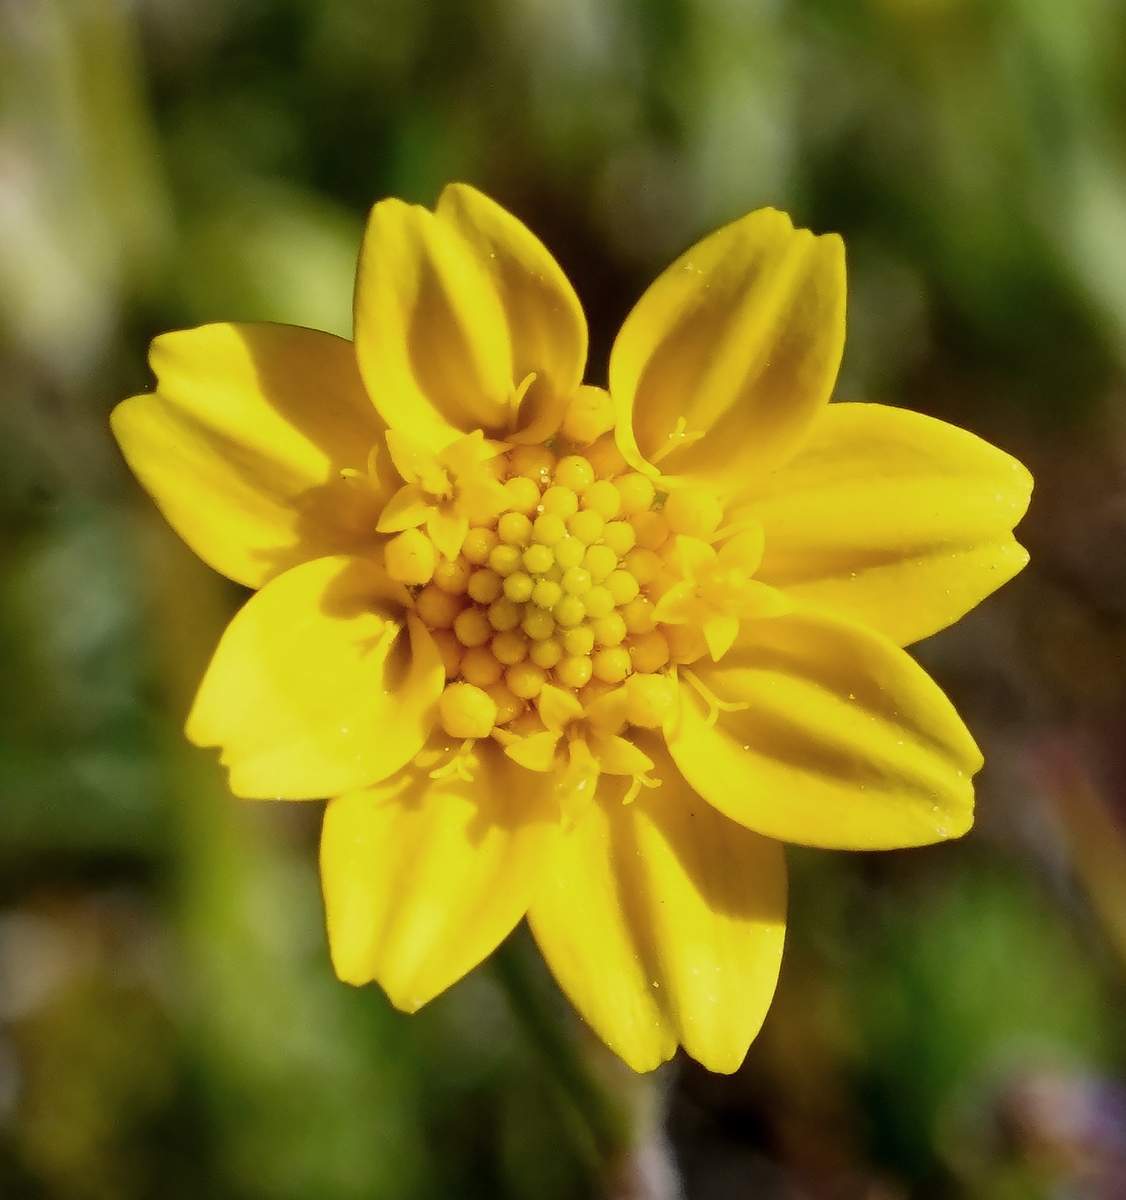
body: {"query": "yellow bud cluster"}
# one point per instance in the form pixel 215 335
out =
pixel 561 588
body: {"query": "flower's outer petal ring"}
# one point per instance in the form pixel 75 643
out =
pixel 546 324
pixel 315 687
pixel 243 441
pixel 432 340
pixel 663 921
pixel 738 343
pixel 892 518
pixel 839 738
pixel 423 878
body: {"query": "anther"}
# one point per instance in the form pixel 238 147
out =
pixel 523 494
pixel 599 603
pixel 600 561
pixel 587 526
pixel 605 457
pixel 546 653
pixel 650 700
pixel 636 492
pixel 538 558
pixel 410 557
pixel 514 529
pixel 574 472
pixel 588 416
pixel 610 630
pixel 569 552
pixel 546 593
pixel 576 581
pixel 504 559
pixel 466 711
pixel 578 641
pixel 533 462
pixel 561 501
pixel 693 512
pixel 622 586
pixel 648 651
pixel 504 614
pixel 611 664
pixel 537 623
pixel 602 497
pixel 525 679
pixel 638 615
pixel 472 628
pixel 620 537
pixel 452 575
pixel 478 545
pixel 509 705
pixel 549 528
pixel 480 667
pixel 651 528
pixel 574 670
pixel 686 643
pixel 570 611
pixel 436 608
pixel 644 565
pixel 518 587
pixel 510 647
pixel 485 586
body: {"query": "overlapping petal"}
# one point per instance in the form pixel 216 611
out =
pixel 424 877
pixel 316 687
pixel 663 921
pixel 454 311
pixel 816 730
pixel 547 327
pixel 243 443
pixel 729 355
pixel 892 518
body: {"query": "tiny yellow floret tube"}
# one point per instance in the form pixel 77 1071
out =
pixel 586 656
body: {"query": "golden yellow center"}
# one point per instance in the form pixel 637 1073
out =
pixel 560 589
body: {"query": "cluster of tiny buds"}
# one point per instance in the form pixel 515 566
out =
pixel 558 590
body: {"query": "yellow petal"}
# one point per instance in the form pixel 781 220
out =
pixel 892 518
pixel 558 708
pixel 619 756
pixel 546 325
pixel 314 688
pixel 585 935
pixel 827 734
pixel 447 531
pixel 408 508
pixel 432 338
pixel 729 355
pixel 536 752
pixel 720 633
pixel 243 443
pixel 423 878
pixel 663 922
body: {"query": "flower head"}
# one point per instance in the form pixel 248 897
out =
pixel 586 655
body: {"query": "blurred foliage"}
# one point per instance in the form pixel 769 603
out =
pixel 950 1022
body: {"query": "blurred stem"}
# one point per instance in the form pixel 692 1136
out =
pixel 605 1124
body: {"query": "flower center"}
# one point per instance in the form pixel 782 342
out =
pixel 558 590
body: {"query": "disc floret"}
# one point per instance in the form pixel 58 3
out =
pixel 562 590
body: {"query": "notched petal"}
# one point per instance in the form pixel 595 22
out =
pixel 891 518
pixel 815 730
pixel 731 353
pixel 321 683
pixel 425 874
pixel 255 446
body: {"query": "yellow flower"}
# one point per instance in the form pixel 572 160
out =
pixel 580 655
